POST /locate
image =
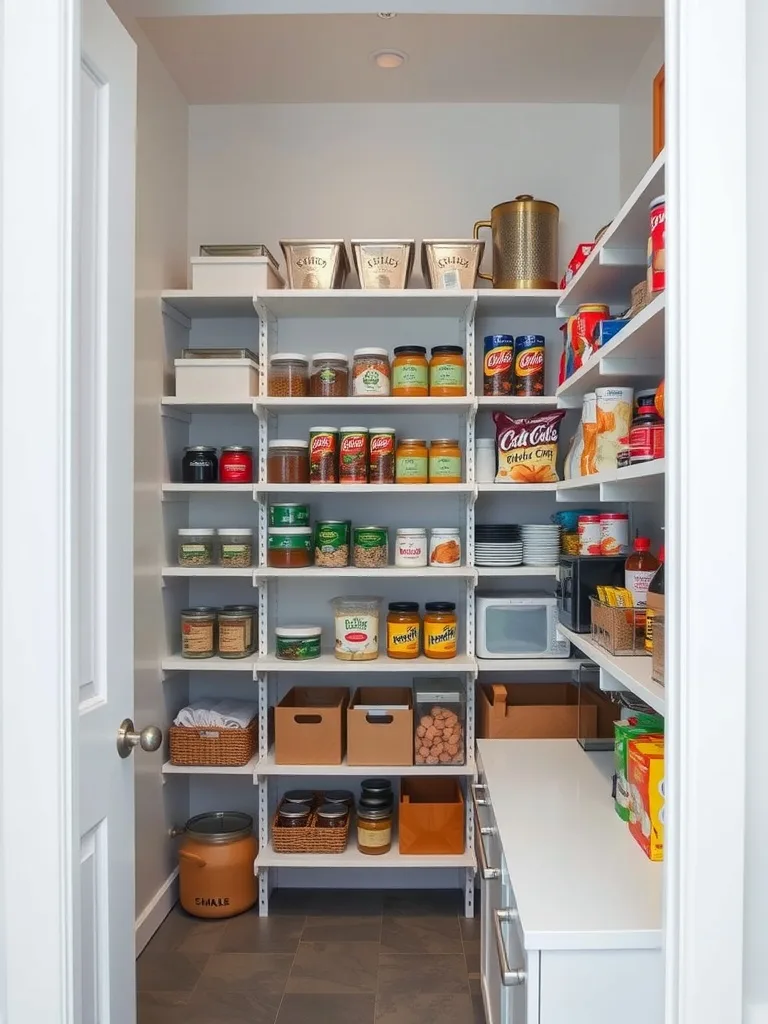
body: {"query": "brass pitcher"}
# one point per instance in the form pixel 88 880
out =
pixel 524 235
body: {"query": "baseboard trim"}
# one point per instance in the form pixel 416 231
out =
pixel 156 911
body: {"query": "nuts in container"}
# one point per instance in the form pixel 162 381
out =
pixel 383 263
pixel 370 547
pixel 332 543
pixel 439 715
pixel 315 263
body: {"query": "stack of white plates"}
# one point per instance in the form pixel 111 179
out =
pixel 541 545
pixel 498 545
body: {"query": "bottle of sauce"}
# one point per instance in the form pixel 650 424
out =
pixel 655 602
pixel 639 570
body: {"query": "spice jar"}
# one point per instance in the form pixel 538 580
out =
pixel 288 375
pixel 198 629
pixel 235 548
pixel 411 461
pixel 410 372
pixel 381 455
pixel 330 375
pixel 440 630
pixel 445 461
pixel 324 455
pixel 195 547
pixel 236 465
pixel 289 547
pixel 403 630
pixel 332 816
pixel 370 372
pixel 293 815
pixel 374 829
pixel 288 462
pixel 447 372
pixel 237 630
pixel 200 465
pixel 411 546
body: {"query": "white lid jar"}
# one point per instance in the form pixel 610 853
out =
pixel 445 547
pixel 411 546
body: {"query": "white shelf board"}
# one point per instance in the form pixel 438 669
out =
pixel 370 489
pixel 207 572
pixel 517 570
pixel 176 769
pixel 368 403
pixel 175 663
pixel 360 302
pixel 207 304
pixel 494 488
pixel 352 858
pixel 492 302
pixel 631 672
pixel 618 261
pixel 636 351
pixel 330 663
pixel 174 488
pixel 631 483
pixel 268 767
pixel 172 402
pixel 529 664
pixel 511 402
pixel 314 572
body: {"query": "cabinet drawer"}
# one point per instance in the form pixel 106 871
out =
pixel 518 968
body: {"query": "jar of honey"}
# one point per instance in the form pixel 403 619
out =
pixel 374 829
pixel 410 372
pixel 411 461
pixel 403 630
pixel 447 372
pixel 440 630
pixel 445 461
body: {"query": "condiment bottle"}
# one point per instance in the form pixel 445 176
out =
pixel 655 599
pixel 639 570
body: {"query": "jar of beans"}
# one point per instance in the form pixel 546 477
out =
pixel 237 628
pixel 288 375
pixel 330 375
pixel 235 548
pixel 198 631
pixel 195 547
pixel 288 462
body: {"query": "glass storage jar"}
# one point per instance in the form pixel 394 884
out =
pixel 288 462
pixel 236 464
pixel 289 547
pixel 410 372
pixel 370 372
pixel 374 829
pixel 198 632
pixel 439 718
pixel 237 630
pixel 340 796
pixel 447 372
pixel 403 630
pixel 330 375
pixel 445 461
pixel 195 547
pixel 440 630
pixel 299 796
pixel 293 815
pixel 200 465
pixel 411 461
pixel 288 375
pixel 332 816
pixel 235 548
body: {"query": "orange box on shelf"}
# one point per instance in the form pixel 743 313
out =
pixel 311 725
pixel 431 816
pixel 379 728
pixel 525 711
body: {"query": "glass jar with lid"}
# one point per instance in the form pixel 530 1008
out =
pixel 198 632
pixel 288 462
pixel 445 461
pixel 195 547
pixel 410 372
pixel 289 547
pixel 332 816
pixel 403 630
pixel 235 548
pixel 411 546
pixel 374 829
pixel 440 630
pixel 237 630
pixel 288 375
pixel 293 815
pixel 299 796
pixel 330 375
pixel 200 465
pixel 411 461
pixel 447 372
pixel 370 372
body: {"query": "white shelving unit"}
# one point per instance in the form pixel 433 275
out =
pixel 625 672
pixel 267 766
pixel 352 858
pixel 177 769
pixel 328 662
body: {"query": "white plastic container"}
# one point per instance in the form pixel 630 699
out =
pixel 444 547
pixel 485 460
pixel 234 275
pixel 216 380
pixel 411 546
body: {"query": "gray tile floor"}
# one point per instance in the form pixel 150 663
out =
pixel 337 957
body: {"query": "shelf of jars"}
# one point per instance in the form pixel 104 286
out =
pixel 267 766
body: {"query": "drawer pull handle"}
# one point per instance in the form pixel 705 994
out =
pixel 487 873
pixel 509 975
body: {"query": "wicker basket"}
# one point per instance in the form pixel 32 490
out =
pixel 618 630
pixel 309 838
pixel 211 747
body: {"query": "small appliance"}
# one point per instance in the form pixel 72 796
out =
pixel 580 577
pixel 519 625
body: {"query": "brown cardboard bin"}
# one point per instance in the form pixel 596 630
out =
pixel 524 711
pixel 431 816
pixel 310 725
pixel 374 739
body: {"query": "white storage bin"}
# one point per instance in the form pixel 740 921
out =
pixel 234 275
pixel 216 380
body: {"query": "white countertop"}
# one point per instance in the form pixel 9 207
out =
pixel 580 880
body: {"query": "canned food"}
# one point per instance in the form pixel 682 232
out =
pixel 332 543
pixel 353 455
pixel 529 365
pixel 657 252
pixel 614 533
pixel 324 455
pixel 290 514
pixel 297 643
pixel 381 457
pixel 370 549
pixel 589 535
pixel 581 328
pixel 499 365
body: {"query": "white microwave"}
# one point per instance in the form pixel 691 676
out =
pixel 520 625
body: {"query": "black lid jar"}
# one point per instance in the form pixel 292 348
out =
pixel 200 465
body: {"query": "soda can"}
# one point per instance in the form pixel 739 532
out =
pixel 657 254
pixel 529 365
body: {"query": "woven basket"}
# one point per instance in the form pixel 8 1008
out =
pixel 309 838
pixel 204 745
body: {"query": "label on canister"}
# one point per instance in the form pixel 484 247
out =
pixel 499 364
pixel 657 255
pixel 353 455
pixel 324 455
pixel 331 535
pixel 614 534
pixel 290 514
pixel 589 535
pixel 529 365
pixel 440 639
pixel 403 638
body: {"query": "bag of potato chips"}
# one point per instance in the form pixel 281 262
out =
pixel 527 448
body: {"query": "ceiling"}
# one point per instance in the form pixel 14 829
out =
pixel 451 58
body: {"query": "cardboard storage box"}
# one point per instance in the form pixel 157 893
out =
pixel 524 711
pixel 378 738
pixel 431 816
pixel 310 725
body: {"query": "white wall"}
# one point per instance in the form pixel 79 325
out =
pixel 260 173
pixel 636 119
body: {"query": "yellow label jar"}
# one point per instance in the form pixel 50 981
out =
pixel 440 630
pixel 403 630
pixel 410 372
pixel 445 461
pixel 411 461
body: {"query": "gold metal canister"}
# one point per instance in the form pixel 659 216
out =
pixel 524 234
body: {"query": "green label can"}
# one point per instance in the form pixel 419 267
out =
pixel 332 543
pixel 370 547
pixel 289 515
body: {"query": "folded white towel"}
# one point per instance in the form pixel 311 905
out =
pixel 223 714
pixel 236 714
pixel 194 714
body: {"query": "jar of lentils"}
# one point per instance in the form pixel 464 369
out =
pixel 195 547
pixel 198 632
pixel 235 548
pixel 330 375
pixel 288 375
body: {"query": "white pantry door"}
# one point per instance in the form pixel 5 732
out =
pixel 67 526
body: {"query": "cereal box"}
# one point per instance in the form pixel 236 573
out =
pixel 646 794
pixel 639 725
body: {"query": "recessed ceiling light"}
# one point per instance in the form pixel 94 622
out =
pixel 389 59
pixel 387 15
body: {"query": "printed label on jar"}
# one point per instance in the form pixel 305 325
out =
pixel 442 466
pixel 404 639
pixel 235 638
pixel 411 550
pixel 439 638
pixel 374 380
pixel 411 467
pixel 283 543
pixel 296 649
pixel 322 456
pixel 368 838
pixel 196 637
pixel 446 375
pixel 411 375
pixel 357 636
pixel 194 549
pixel 353 458
pixel 235 552
pixel 637 582
pixel 382 458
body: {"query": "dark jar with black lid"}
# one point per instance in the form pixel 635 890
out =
pixel 200 465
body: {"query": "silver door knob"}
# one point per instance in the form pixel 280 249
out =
pixel 149 738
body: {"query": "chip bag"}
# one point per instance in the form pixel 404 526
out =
pixel 527 448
